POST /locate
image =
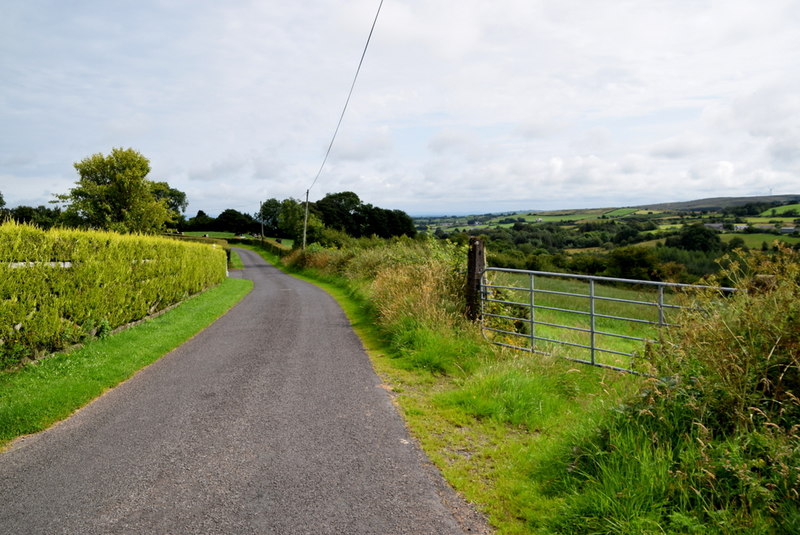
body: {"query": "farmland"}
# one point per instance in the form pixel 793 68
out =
pixel 599 241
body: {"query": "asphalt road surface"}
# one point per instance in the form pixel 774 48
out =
pixel 269 421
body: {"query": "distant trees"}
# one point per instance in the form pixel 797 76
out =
pixel 233 221
pixel 335 213
pixel 696 238
pixel 41 216
pixel 113 193
pixel 344 211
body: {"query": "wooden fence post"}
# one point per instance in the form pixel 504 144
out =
pixel 476 262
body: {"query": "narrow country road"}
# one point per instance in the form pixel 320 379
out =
pixel 271 421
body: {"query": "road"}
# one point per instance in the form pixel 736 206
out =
pixel 269 421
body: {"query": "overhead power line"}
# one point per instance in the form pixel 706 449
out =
pixel 349 94
pixel 341 117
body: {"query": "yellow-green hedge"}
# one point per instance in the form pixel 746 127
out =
pixel 60 286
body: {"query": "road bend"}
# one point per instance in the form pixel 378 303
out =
pixel 271 420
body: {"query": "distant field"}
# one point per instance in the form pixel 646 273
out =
pixel 621 212
pixel 780 210
pixel 754 241
pixel 650 243
pixel 564 217
pixel 769 219
pixel 201 233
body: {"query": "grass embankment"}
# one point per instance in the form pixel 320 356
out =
pixel 542 446
pixel 37 395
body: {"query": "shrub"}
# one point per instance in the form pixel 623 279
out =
pixel 57 287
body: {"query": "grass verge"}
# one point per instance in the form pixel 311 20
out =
pixel 235 261
pixel 36 396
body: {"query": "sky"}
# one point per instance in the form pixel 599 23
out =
pixel 461 106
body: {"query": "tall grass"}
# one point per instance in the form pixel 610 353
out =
pixel 543 445
pixel 713 447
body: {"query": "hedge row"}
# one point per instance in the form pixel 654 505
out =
pixel 59 287
pixel 270 245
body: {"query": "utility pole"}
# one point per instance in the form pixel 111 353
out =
pixel 305 223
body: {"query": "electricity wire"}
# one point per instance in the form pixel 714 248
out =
pixel 341 117
pixel 349 94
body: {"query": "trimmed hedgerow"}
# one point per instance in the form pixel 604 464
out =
pixel 59 287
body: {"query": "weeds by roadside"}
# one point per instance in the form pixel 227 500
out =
pixel 545 446
pixel 713 447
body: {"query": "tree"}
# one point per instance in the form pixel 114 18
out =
pixel 175 199
pixel 41 216
pixel 291 219
pixel 340 211
pixel 345 211
pixel 2 201
pixel 269 215
pixel 231 220
pixel 632 262
pixel 696 238
pixel 200 222
pixel 113 193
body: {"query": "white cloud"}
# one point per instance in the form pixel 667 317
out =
pixel 474 105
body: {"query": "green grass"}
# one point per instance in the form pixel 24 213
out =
pixel 38 395
pixel 621 212
pixel 210 234
pixel 770 220
pixel 236 261
pixel 780 210
pixel 754 241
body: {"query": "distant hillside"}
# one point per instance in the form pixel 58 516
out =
pixel 718 203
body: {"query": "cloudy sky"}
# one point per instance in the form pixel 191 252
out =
pixel 461 106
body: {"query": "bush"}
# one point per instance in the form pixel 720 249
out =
pixel 58 287
pixel 713 446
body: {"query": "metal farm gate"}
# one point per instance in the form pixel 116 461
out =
pixel 602 321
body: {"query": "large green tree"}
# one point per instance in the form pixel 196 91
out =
pixel 231 220
pixel 346 212
pixel 269 214
pixel 113 193
pixel 176 199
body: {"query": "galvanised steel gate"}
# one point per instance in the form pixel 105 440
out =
pixel 604 321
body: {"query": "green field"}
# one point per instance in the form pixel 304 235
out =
pixel 621 212
pixel 210 234
pixel 778 210
pixel 754 241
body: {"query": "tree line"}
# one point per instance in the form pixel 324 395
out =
pixel 113 192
